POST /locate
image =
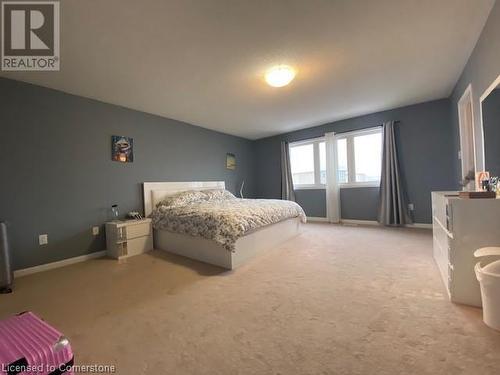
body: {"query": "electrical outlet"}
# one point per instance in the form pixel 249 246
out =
pixel 411 207
pixel 95 231
pixel 43 239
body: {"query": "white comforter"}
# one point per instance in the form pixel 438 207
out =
pixel 223 220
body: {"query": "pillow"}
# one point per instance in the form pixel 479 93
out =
pixel 183 198
pixel 218 194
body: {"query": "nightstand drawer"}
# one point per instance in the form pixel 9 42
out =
pixel 139 245
pixel 138 230
pixel 127 238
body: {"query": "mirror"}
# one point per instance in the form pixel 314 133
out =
pixel 490 107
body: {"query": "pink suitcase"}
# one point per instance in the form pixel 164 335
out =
pixel 28 345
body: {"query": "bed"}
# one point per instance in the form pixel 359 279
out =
pixel 228 254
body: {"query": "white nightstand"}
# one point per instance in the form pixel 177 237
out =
pixel 128 238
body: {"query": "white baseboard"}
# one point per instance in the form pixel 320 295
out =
pixel 419 225
pixel 376 223
pixel 358 222
pixel 59 264
pixel 317 219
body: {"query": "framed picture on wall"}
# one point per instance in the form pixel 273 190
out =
pixel 122 149
pixel 230 161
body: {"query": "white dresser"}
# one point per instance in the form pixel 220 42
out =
pixel 128 238
pixel 461 226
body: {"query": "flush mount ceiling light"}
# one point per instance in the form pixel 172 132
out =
pixel 280 75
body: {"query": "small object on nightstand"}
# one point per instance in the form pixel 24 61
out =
pixel 114 212
pixel 134 215
pixel 128 238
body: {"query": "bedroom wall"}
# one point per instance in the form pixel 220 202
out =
pixel 58 177
pixel 491 123
pixel 356 204
pixel 426 152
pixel 482 68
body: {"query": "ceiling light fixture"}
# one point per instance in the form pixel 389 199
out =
pixel 280 75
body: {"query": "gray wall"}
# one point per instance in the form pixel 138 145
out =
pixel 57 176
pixel 359 203
pixel 424 135
pixel 491 124
pixel 313 201
pixel 480 71
pixel 57 173
pixel 356 204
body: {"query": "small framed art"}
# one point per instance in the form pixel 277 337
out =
pixel 122 149
pixel 230 161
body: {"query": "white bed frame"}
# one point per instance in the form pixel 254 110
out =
pixel 209 251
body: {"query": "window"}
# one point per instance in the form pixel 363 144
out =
pixel 360 157
pixel 342 160
pixel 322 163
pixel 359 160
pixel 308 164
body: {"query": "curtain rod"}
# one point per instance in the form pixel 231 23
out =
pixel 347 131
pixel 369 127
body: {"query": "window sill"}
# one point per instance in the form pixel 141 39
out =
pixel 360 185
pixel 342 186
pixel 310 187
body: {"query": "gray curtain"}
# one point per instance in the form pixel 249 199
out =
pixel 393 209
pixel 286 174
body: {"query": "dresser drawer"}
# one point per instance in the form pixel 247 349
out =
pixel 138 230
pixel 439 208
pixel 440 236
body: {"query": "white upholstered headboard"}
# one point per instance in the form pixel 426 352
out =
pixel 154 192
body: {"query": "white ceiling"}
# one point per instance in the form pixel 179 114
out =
pixel 203 61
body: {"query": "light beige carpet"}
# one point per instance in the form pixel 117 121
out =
pixel 335 300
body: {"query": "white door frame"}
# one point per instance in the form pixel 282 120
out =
pixel 466 137
pixel 487 92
